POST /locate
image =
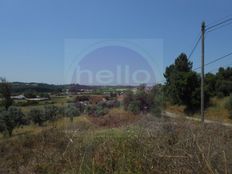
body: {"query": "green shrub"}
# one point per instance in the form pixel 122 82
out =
pixel 97 110
pixel 51 112
pixel 37 116
pixel 220 95
pixel 90 110
pixel 3 128
pixel 100 111
pixel 229 105
pixel 11 119
pixel 71 111
pixel 134 107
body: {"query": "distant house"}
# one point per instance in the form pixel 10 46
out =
pixel 18 97
pixel 22 97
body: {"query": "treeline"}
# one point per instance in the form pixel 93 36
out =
pixel 19 88
pixel 14 117
pixel 182 84
pixel 219 84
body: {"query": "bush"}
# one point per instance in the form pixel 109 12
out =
pixel 37 116
pixel 220 95
pixel 229 106
pixel 3 128
pixel 71 111
pixel 51 112
pixel 144 100
pixel 129 96
pixel 81 106
pixel 156 107
pixel 11 119
pixel 100 111
pixel 134 107
pixel 109 104
pixel 90 110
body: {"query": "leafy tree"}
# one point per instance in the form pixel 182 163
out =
pixel 210 83
pixel 182 86
pixel 5 91
pixel 223 85
pixel 37 116
pixel 10 119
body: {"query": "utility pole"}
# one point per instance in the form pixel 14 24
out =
pixel 202 70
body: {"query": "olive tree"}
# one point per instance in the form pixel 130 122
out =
pixel 5 91
pixel 37 116
pixel 11 119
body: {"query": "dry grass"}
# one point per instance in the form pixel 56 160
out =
pixel 115 118
pixel 177 109
pixel 148 146
pixel 216 111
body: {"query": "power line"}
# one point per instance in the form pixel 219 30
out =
pixel 195 46
pixel 213 61
pixel 219 20
pixel 212 70
pixel 210 29
pixel 218 24
pixel 213 29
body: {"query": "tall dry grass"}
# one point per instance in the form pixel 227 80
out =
pixel 149 145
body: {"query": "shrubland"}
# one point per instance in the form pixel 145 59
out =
pixel 146 145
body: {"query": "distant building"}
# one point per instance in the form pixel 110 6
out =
pixel 18 97
pixel 22 97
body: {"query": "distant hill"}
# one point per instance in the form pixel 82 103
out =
pixel 21 87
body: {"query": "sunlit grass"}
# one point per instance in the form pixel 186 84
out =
pixel 216 110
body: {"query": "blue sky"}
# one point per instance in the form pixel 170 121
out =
pixel 32 32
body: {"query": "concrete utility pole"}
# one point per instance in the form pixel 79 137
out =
pixel 202 70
